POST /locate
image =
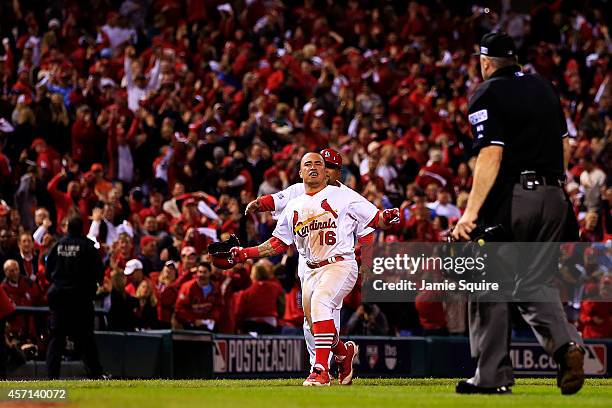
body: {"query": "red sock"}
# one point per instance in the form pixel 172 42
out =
pixel 324 332
pixel 339 349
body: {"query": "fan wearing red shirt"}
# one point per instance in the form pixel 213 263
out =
pixel 156 201
pixel 432 317
pixel 135 275
pixel 419 227
pixel 294 314
pixel 167 288
pixel 596 314
pixel 199 302
pixel 19 289
pixel 65 202
pixel 28 267
pixel 230 283
pixel 435 171
pixel 5 165
pixel 48 159
pixel 83 136
pixel 189 260
pixel 261 305
pixel 190 213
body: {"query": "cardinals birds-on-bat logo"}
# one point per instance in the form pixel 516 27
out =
pixel 302 228
pixel 325 205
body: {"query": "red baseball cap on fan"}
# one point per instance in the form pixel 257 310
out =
pixel 146 240
pixel 332 158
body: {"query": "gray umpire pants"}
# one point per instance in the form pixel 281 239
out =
pixel 527 270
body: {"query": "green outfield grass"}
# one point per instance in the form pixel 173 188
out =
pixel 371 393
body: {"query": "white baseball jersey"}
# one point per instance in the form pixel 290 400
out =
pixel 282 198
pixel 324 225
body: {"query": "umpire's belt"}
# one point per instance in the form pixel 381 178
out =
pixel 333 259
pixel 540 179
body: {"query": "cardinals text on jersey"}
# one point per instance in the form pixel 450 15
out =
pixel 325 224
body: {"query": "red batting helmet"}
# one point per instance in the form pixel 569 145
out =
pixel 223 262
pixel 220 252
pixel 331 157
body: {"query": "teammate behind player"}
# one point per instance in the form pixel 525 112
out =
pixel 322 223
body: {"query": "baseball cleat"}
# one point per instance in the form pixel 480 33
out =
pixel 345 364
pixel 318 377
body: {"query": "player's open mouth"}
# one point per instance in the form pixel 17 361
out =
pixel 313 173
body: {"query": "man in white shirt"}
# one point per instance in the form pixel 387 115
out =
pixel 138 87
pixel 116 34
pixel 443 206
pixel 102 230
pixel 592 179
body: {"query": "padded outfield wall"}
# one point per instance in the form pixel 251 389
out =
pixel 190 354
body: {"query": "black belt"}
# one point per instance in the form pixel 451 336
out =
pixel 540 179
pixel 315 265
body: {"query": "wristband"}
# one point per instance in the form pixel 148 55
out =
pixel 278 245
pixel 251 252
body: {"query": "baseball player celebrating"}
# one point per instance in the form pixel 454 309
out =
pixel 277 203
pixel 323 223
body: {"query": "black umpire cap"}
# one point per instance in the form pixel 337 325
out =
pixel 497 44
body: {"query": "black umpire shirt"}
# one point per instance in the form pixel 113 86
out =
pixel 522 113
pixel 74 268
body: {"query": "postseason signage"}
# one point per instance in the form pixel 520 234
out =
pixel 270 356
pixel 286 357
pixel 277 356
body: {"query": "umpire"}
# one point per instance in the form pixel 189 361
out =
pixel 74 268
pixel 520 137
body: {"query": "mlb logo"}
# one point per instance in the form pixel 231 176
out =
pixel 595 359
pixel 220 356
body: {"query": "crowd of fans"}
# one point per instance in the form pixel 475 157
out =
pixel 158 121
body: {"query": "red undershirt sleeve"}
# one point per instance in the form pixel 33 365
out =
pixel 278 245
pixel 266 203
pixel 366 240
pixel 374 222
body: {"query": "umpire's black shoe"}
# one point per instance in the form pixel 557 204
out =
pixel 570 374
pixel 465 387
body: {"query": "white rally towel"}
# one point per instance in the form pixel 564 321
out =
pixel 207 211
pixel 209 232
